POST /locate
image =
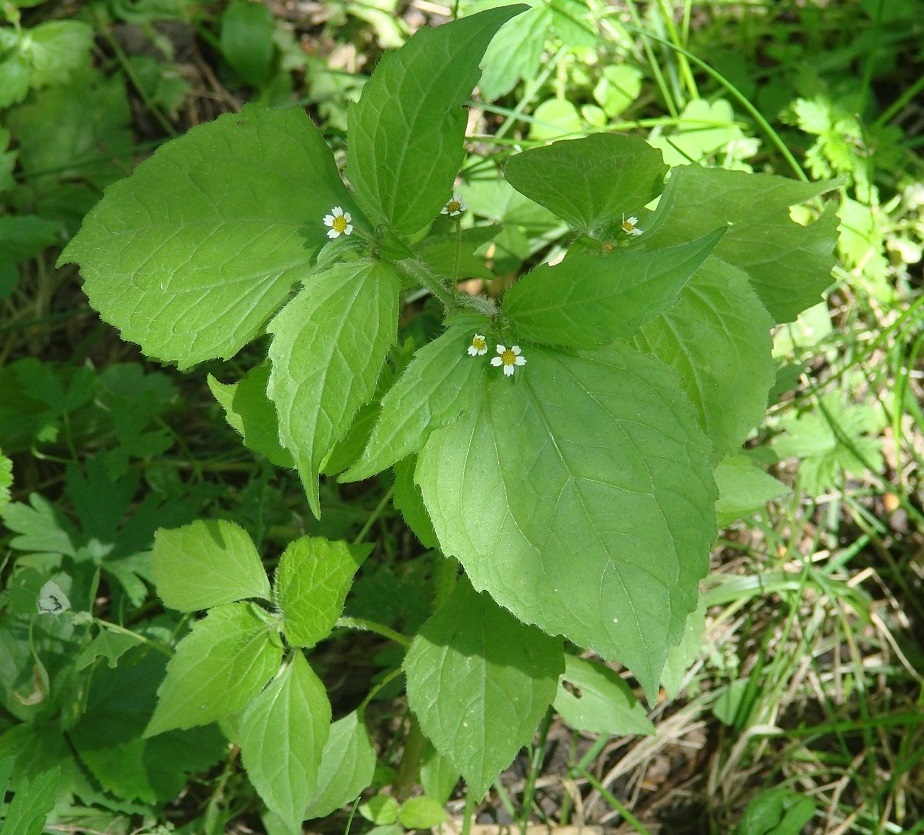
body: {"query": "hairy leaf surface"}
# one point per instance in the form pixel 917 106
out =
pixel 205 564
pixel 579 495
pixel 479 681
pixel 590 300
pixel 283 733
pixel 789 265
pixel 405 139
pixel 717 337
pixel 591 182
pixel 218 668
pixel 312 581
pixel 191 255
pixel 329 345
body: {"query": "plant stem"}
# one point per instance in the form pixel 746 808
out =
pixel 535 766
pixel 371 626
pixel 406 778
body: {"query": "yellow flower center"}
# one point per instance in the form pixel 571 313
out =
pixel 479 344
pixel 508 357
pixel 453 206
pixel 340 224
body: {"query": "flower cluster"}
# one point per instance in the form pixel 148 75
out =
pixel 507 358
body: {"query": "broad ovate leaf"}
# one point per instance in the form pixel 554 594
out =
pixel 328 347
pixel 592 182
pixel 205 564
pixel 437 385
pixel 717 338
pixel 590 300
pixel 312 581
pixel 789 265
pixel 194 252
pixel 479 681
pixel 405 139
pixel 218 668
pixel 283 733
pixel 744 488
pixel 579 494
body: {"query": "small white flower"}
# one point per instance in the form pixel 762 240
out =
pixel 479 346
pixel 509 358
pixel 630 226
pixel 454 206
pixel 339 221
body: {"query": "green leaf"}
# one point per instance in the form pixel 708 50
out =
pixel 438 775
pixel 251 412
pixel 205 564
pixel 554 118
pixel 381 810
pixel 33 800
pixel 598 700
pixel 585 479
pixel 191 254
pixel 328 347
pixel 778 811
pixel 347 766
pixel 408 500
pixel 57 49
pixel 312 581
pixel 247 40
pixel 406 133
pixel 617 88
pixel 6 480
pixel 24 236
pixel 218 668
pixel 282 735
pixel 591 182
pixel 788 265
pixel 717 338
pixel 15 75
pixel 479 681
pixel 108 737
pixel 590 300
pixel 422 813
pixel 437 385
pixel 744 488
pixel 680 657
pixel 515 53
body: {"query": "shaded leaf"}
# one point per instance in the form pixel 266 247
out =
pixel 611 512
pixel 328 347
pixel 479 681
pixel 591 182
